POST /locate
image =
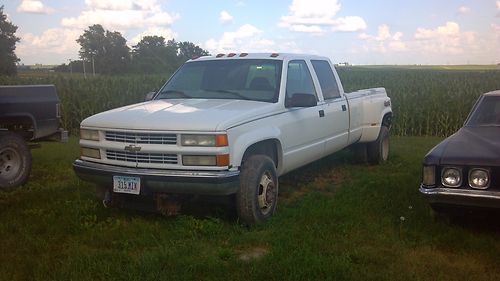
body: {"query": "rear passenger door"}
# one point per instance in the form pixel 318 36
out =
pixel 336 108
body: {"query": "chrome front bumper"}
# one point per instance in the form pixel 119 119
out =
pixel 165 181
pixel 461 197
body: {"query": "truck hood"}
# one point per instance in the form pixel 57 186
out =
pixel 181 115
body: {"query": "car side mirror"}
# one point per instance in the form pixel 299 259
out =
pixel 301 100
pixel 149 96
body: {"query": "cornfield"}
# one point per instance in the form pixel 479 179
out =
pixel 426 101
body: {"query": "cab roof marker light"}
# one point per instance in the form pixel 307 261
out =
pixel 274 55
pixel 243 55
pixel 231 55
pixel 219 55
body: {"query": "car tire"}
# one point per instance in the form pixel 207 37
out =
pixel 359 152
pixel 257 198
pixel 15 161
pixel 378 150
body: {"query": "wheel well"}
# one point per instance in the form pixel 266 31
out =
pixel 387 120
pixel 269 148
pixel 22 125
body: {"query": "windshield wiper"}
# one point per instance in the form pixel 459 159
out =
pixel 229 92
pixel 166 94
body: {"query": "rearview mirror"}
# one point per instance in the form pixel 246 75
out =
pixel 149 96
pixel 301 100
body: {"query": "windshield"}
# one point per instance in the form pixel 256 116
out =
pixel 486 112
pixel 243 79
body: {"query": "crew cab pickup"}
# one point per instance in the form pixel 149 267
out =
pixel 27 114
pixel 231 125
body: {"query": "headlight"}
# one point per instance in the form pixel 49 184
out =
pixel 206 160
pixel 479 178
pixel 90 152
pixel 86 134
pixel 429 175
pixel 204 140
pixel 451 177
pixel 199 160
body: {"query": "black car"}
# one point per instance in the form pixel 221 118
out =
pixel 464 169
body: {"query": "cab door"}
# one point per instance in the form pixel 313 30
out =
pixel 303 127
pixel 336 107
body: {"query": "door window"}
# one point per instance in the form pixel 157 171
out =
pixel 299 80
pixel 326 79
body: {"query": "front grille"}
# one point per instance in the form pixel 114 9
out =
pixel 140 157
pixel 141 138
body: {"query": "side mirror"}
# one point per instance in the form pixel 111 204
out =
pixel 149 96
pixel 301 100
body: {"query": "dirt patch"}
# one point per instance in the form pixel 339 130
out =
pixel 253 253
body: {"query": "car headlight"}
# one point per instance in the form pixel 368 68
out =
pixel 90 152
pixel 451 177
pixel 204 140
pixel 429 175
pixel 86 134
pixel 479 178
pixel 206 160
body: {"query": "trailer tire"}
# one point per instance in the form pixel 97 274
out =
pixel 378 150
pixel 257 198
pixel 15 161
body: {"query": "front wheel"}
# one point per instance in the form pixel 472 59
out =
pixel 378 151
pixel 15 161
pixel 257 198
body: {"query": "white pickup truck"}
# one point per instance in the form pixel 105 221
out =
pixel 230 125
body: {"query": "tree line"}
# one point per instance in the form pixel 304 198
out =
pixel 106 52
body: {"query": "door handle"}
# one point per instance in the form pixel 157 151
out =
pixel 344 108
pixel 321 113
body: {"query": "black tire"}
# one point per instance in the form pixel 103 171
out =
pixel 257 198
pixel 378 150
pixel 15 161
pixel 359 152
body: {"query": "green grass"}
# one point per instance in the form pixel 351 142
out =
pixel 335 221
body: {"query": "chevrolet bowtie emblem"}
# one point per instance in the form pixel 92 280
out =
pixel 132 148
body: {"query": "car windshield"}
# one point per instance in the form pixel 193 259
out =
pixel 243 79
pixel 486 112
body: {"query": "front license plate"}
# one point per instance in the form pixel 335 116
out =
pixel 130 185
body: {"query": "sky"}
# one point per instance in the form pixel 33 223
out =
pixel 354 31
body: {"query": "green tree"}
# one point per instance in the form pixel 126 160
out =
pixel 188 50
pixel 153 55
pixel 108 50
pixel 8 40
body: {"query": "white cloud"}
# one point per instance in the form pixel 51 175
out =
pixel 464 10
pixel 122 5
pixel 384 41
pixel 59 41
pixel 311 16
pixel 122 15
pixel 167 33
pixel 225 17
pixel 446 39
pixel 349 24
pixel 236 41
pixel 34 7
pixel 249 38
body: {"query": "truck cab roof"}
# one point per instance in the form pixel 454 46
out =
pixel 275 56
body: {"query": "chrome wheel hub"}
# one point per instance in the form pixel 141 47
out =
pixel 10 163
pixel 267 193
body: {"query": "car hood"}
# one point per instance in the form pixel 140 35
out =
pixel 468 146
pixel 181 115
